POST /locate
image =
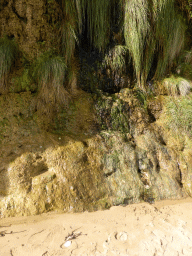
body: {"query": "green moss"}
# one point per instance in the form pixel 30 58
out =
pixel 120 119
pixel 24 83
pixel 142 97
pixel 179 115
pixel 175 86
pixel 148 195
pixel 112 114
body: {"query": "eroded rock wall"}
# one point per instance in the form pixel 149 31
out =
pixel 33 23
pixel 114 155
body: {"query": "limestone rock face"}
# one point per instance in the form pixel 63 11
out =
pixel 31 23
pixel 113 156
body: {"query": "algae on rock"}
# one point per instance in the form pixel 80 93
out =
pixel 125 160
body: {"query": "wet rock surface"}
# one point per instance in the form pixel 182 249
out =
pixel 103 152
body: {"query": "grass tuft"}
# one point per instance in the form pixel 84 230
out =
pixel 179 113
pixel 8 54
pixel 50 73
pixel 175 86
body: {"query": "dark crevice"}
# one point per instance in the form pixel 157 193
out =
pixel 38 157
pixel 140 175
pixel 84 158
pixel 85 143
pixel 152 118
pixel 110 173
pixel 147 197
pixel 10 37
pixel 127 200
pixel 42 171
pixel 179 179
pixel 162 140
pixel 151 164
pixel 157 167
pixel 139 171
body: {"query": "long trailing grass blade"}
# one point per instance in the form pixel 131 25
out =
pixel 8 53
pixel 98 21
pixel 170 34
pixel 71 27
pixel 153 30
pixel 69 40
pixel 136 29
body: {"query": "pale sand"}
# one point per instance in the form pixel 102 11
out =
pixel 164 228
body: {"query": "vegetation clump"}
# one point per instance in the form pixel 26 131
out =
pixel 175 86
pixel 179 113
pixel 8 54
pixel 49 73
pixel 139 37
pixel 154 34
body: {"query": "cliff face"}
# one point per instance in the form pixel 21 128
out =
pixel 101 150
pixel 109 151
pixel 32 23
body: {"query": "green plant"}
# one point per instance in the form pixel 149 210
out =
pixel 96 15
pixel 176 86
pixel 141 96
pixel 70 28
pixel 8 54
pixel 23 83
pixel 153 31
pixel 179 115
pixel 98 21
pixel 49 72
pixel 184 67
pixel 186 7
pixel 115 59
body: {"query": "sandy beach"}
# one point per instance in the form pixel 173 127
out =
pixel 163 228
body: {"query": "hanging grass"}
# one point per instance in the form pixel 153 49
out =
pixel 115 59
pixel 98 21
pixel 153 31
pixel 170 34
pixel 8 54
pixel 114 64
pixel 49 73
pixel 96 14
pixel 69 40
pixel 136 29
pixel 71 27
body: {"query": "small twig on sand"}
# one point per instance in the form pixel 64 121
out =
pixel 5 226
pixel 3 233
pixel 37 233
pixel 45 253
pixel 72 236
